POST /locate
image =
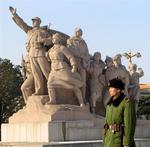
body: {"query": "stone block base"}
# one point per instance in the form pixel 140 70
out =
pixel 32 132
pixel 36 111
pixel 51 131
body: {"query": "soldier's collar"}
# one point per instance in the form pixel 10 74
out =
pixel 117 100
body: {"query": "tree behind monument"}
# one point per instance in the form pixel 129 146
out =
pixel 11 99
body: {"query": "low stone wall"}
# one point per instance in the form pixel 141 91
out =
pixel 82 133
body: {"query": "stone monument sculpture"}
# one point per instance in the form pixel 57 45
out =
pixel 64 85
pixel 115 69
pixel 36 38
pixel 79 49
pixel 49 59
pixel 61 75
pixel 27 87
pixel 135 75
pixel 110 69
pixel 121 72
pixel 109 73
pixel 97 80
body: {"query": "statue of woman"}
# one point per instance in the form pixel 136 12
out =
pixel 61 75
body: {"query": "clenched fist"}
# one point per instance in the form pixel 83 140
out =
pixel 12 10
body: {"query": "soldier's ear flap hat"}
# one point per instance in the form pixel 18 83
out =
pixel 116 83
pixel 36 18
pixel 78 30
pixel 108 59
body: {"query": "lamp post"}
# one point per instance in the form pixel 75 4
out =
pixel 129 55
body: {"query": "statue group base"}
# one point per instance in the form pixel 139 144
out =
pixel 38 122
pixel 41 125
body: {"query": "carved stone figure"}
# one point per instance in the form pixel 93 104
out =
pixel 135 75
pixel 27 87
pixel 121 72
pixel 110 73
pixel 79 48
pixel 97 80
pixel 62 81
pixel 36 38
pixel 110 69
pixel 61 75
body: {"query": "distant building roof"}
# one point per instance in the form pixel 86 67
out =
pixel 144 86
pixel 145 89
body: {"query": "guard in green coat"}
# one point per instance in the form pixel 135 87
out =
pixel 120 120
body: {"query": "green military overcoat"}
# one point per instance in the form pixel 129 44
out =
pixel 120 111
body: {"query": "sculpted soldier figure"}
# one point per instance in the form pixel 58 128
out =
pixel 61 75
pixel 135 75
pixel 121 72
pixel 110 69
pixel 110 73
pixel 27 87
pixel 36 38
pixel 79 48
pixel 120 120
pixel 97 79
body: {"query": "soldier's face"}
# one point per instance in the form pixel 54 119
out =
pixel 114 91
pixel 97 57
pixel 78 33
pixel 109 64
pixel 35 23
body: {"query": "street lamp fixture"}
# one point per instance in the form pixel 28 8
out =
pixel 129 55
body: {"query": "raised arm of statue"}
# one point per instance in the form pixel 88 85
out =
pixel 19 21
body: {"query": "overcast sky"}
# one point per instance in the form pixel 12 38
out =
pixel 109 26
